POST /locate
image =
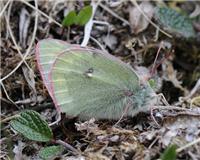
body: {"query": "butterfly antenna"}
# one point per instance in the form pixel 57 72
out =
pixel 155 66
pixel 164 58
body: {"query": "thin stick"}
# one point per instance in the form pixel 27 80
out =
pixel 154 141
pixel 101 23
pixel 8 97
pixel 152 23
pixel 114 14
pixel 4 8
pixel 42 13
pixel 97 42
pixel 67 146
pixel 57 120
pixel 195 89
pixel 9 118
pixel 188 145
pixel 170 107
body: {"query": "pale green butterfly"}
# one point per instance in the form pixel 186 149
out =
pixel 87 82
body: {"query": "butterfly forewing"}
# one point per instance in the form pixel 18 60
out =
pixel 46 52
pixel 88 83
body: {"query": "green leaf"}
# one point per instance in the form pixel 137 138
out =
pixel 152 83
pixel 84 16
pixel 50 152
pixel 31 125
pixel 69 19
pixel 175 22
pixel 169 153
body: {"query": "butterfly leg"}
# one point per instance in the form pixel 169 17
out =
pixel 163 99
pixel 124 113
pixel 152 116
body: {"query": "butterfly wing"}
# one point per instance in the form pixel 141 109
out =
pixel 88 83
pixel 46 52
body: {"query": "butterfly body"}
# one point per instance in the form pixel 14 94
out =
pixel 88 83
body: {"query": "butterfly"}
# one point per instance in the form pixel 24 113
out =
pixel 87 82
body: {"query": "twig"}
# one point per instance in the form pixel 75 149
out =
pixel 114 14
pixel 57 120
pixel 9 118
pixel 154 141
pixel 6 93
pixel 101 22
pixel 170 107
pixel 195 89
pixel 183 114
pixel 188 145
pixel 29 48
pixel 147 18
pixel 67 146
pixel 97 42
pixel 88 26
pixel 42 13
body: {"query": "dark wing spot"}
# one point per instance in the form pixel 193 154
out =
pixel 88 73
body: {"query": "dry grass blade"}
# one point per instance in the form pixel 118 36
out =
pixel 188 145
pixel 42 13
pixel 4 8
pixel 15 43
pixel 6 93
pixel 29 48
pixel 114 14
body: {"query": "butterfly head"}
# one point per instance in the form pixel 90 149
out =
pixel 141 99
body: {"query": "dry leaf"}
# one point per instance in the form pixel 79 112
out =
pixel 24 23
pixel 136 18
pixel 110 41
